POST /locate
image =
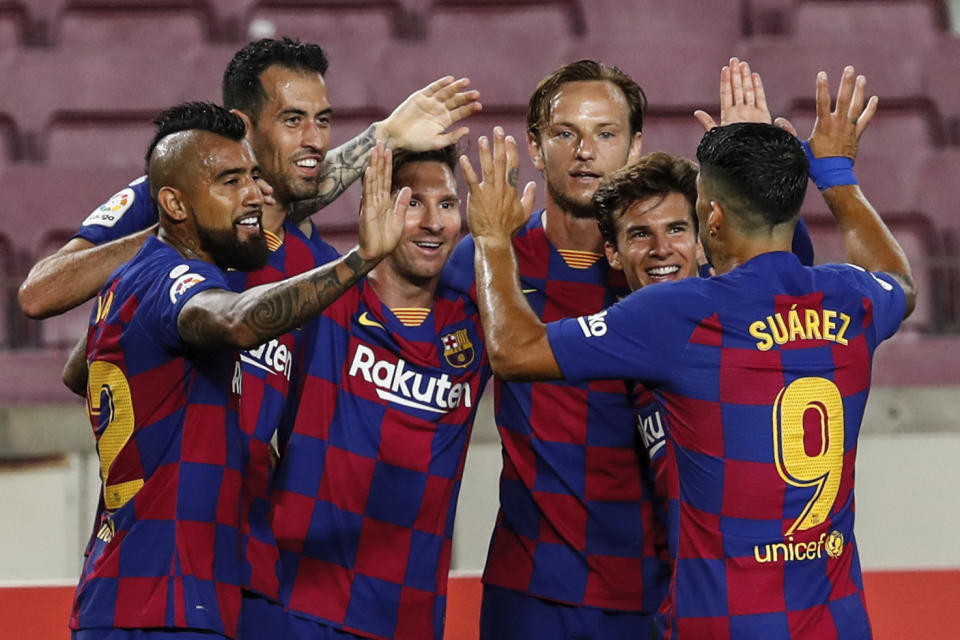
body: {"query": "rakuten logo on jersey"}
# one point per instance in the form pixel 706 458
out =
pixel 272 357
pixel 395 383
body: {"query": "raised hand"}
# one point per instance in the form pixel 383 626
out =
pixel 421 121
pixel 381 216
pixel 837 132
pixel 742 98
pixel 494 208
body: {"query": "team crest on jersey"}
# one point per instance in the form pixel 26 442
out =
pixel 458 351
pixel 107 214
pixel 182 281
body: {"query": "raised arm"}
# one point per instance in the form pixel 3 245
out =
pixel 74 274
pixel 218 318
pixel 419 123
pixel 836 135
pixel 516 339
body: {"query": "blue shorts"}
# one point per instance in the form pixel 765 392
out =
pixel 262 618
pixel 510 615
pixel 145 634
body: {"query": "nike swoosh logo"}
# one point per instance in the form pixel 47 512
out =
pixel 367 321
pixel 529 290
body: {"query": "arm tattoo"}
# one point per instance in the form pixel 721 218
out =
pixel 341 168
pixel 288 304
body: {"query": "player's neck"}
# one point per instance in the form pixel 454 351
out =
pixel 185 242
pixel 395 290
pixel 273 218
pixel 565 231
pixel 740 249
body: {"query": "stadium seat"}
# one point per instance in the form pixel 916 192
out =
pixel 937 191
pixel 650 23
pixel 940 82
pixel 13 27
pixel 159 27
pixel 767 16
pixel 887 180
pixel 9 281
pixel 122 81
pixel 908 23
pixel 917 237
pixel 10 142
pixel 506 73
pixel 789 68
pixel 491 23
pixel 97 142
pixel 331 26
pixel 677 134
pixel 39 200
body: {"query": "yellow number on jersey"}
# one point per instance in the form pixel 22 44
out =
pixel 108 391
pixel 823 470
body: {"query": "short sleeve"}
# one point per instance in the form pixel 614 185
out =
pixel 887 298
pixel 126 212
pixel 172 289
pixel 639 338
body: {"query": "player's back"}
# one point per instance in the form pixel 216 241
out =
pixel 764 406
pixel 164 550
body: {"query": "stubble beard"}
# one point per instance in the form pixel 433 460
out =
pixel 230 252
pixel 577 208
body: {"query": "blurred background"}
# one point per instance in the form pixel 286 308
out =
pixel 82 79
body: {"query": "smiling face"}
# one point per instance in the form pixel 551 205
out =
pixel 432 223
pixel 656 241
pixel 587 136
pixel 227 203
pixel 291 133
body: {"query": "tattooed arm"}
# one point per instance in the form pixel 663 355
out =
pixel 219 318
pixel 417 124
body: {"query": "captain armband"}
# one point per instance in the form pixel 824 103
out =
pixel 833 171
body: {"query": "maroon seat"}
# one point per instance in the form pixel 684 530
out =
pixel 39 200
pixel 789 68
pixel 940 82
pixel 648 23
pixel 158 26
pixel 917 237
pixel 482 23
pixel 13 27
pixel 888 182
pixel 97 141
pixel 937 191
pixel 907 23
pixel 327 25
pixel 677 134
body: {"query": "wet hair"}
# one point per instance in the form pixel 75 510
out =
pixel 757 171
pixel 445 155
pixel 538 110
pixel 242 89
pixel 654 176
pixel 204 116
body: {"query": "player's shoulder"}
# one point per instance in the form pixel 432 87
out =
pixel 855 276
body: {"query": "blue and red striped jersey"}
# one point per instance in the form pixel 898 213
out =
pixel 371 462
pixel 164 551
pixel 267 371
pixel 762 375
pixel 577 522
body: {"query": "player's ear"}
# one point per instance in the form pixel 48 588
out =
pixel 613 256
pixel 636 145
pixel 246 120
pixel 716 218
pixel 172 203
pixel 533 147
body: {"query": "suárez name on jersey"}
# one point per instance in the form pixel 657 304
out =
pixel 396 383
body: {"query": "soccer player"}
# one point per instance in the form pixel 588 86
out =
pixel 371 462
pixel 762 372
pixel 278 86
pixel 575 551
pixel 163 380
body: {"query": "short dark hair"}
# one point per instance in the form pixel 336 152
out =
pixel 758 170
pixel 205 116
pixel 446 155
pixel 242 89
pixel 538 110
pixel 654 176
